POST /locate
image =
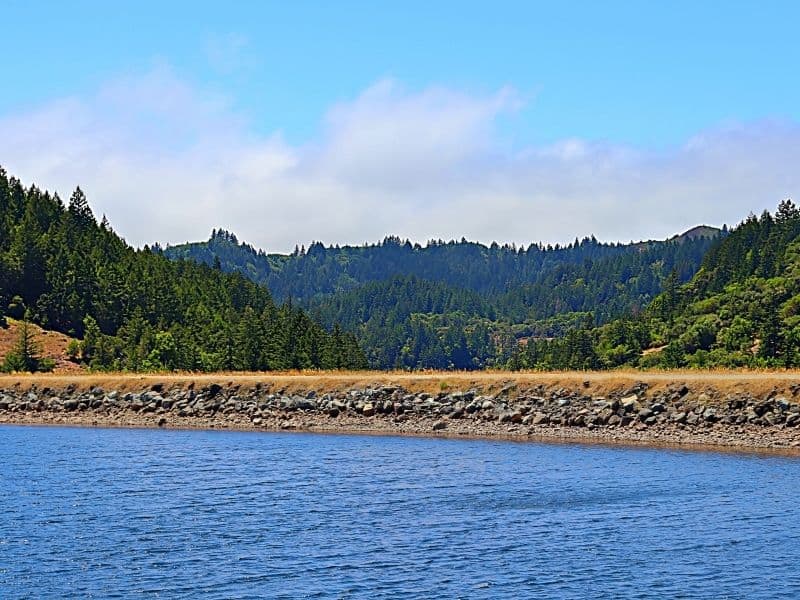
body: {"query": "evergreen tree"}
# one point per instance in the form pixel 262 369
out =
pixel 79 208
pixel 26 353
pixel 136 309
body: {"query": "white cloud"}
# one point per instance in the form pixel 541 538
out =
pixel 166 161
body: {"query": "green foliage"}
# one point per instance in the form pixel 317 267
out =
pixel 460 304
pixel 16 309
pixel 135 309
pixel 25 355
pixel 742 309
pixel 73 350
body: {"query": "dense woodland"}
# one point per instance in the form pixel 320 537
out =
pixel 135 309
pixel 461 304
pixel 707 299
pixel 742 309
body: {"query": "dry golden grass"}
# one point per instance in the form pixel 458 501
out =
pixel 596 383
pixel 53 346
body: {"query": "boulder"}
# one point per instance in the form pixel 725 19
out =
pixel 630 403
pixel 540 418
pixel 679 417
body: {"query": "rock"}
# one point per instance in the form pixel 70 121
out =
pixel 300 403
pixel 487 405
pixel 368 410
pixel 792 419
pixel 645 414
pixel 439 425
pixel 679 417
pixel 162 422
pixel 710 415
pixel 679 391
pixel 540 419
pixel 658 408
pixel 629 403
pixel 692 418
pixel 763 407
pixel 257 421
pixel 333 412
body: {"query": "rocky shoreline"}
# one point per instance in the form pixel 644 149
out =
pixel 669 415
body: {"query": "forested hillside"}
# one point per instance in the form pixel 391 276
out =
pixel 460 304
pixel 135 309
pixel 742 309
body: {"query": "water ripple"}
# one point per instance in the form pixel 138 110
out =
pixel 176 514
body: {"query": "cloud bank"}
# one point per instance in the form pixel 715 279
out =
pixel 167 161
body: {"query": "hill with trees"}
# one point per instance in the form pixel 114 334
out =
pixel 135 309
pixel 741 309
pixel 460 304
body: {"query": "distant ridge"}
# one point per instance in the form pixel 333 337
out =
pixel 459 304
pixel 700 231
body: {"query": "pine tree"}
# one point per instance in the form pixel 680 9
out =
pixel 79 208
pixel 26 353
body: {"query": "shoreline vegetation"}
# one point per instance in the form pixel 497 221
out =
pixel 752 411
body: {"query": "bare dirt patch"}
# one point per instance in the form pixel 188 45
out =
pixel 53 346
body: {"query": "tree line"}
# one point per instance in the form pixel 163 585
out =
pixel 741 309
pixel 460 305
pixel 134 309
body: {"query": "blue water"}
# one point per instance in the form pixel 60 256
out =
pixel 101 513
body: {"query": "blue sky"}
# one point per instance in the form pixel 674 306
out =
pixel 625 87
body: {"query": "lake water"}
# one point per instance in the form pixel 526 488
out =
pixel 102 513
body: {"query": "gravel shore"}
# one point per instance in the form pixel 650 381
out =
pixel 694 415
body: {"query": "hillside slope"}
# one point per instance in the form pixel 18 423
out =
pixel 460 304
pixel 52 346
pixel 741 309
pixel 137 310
